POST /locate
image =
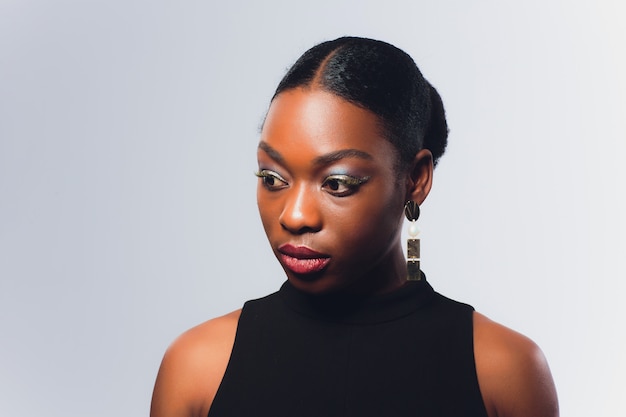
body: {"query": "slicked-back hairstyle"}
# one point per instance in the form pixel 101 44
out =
pixel 383 79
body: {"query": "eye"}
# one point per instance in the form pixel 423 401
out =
pixel 343 185
pixel 271 180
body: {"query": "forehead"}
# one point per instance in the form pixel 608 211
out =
pixel 311 123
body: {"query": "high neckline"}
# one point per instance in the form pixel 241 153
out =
pixel 358 309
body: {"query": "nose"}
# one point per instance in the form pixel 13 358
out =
pixel 301 212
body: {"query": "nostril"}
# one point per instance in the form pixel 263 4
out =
pixel 298 231
pixel 298 223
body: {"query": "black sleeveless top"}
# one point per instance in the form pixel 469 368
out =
pixel 405 353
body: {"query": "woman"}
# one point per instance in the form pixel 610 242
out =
pixel 348 145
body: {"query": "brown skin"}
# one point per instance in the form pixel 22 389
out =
pixel 302 203
pixel 358 227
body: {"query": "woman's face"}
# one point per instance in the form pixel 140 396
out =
pixel 329 193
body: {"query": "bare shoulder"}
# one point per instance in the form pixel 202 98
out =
pixel 193 367
pixel 513 374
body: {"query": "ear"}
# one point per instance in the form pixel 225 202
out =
pixel 420 177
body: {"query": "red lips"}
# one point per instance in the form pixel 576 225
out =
pixel 302 260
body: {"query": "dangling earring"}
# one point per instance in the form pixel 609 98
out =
pixel 412 213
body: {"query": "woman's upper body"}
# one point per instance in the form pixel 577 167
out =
pixel 352 133
pixel 513 375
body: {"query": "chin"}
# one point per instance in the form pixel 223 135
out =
pixel 312 283
pixel 318 283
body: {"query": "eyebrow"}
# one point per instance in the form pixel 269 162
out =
pixel 273 153
pixel 326 159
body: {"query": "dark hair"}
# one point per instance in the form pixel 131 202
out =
pixel 383 79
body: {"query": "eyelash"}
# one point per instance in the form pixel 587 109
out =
pixel 266 176
pixel 351 183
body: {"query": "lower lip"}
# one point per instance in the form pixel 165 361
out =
pixel 304 266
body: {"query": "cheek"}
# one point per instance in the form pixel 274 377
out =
pixel 384 227
pixel 391 216
pixel 372 229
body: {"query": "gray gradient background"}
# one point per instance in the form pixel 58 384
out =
pixel 127 201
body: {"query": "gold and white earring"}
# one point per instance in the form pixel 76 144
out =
pixel 412 213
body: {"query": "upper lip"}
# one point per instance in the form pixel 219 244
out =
pixel 300 252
